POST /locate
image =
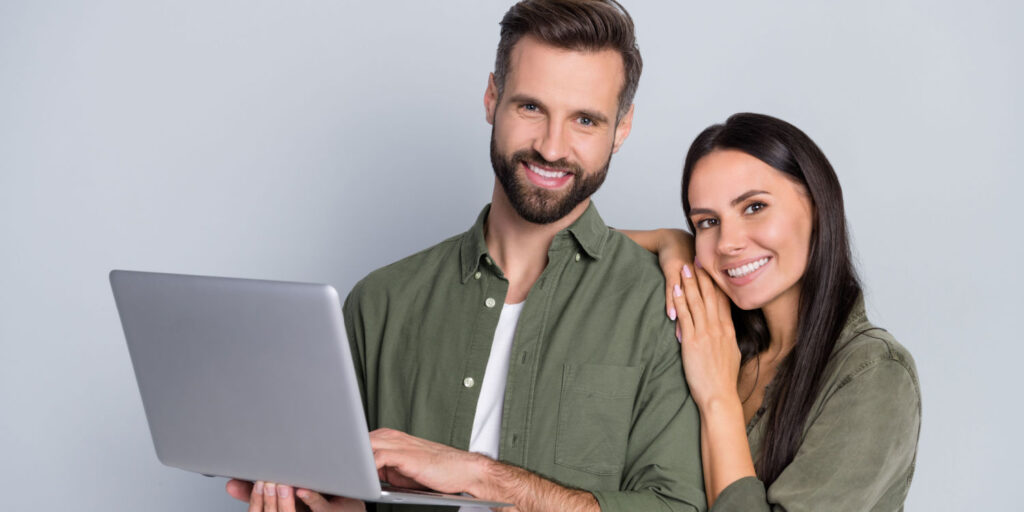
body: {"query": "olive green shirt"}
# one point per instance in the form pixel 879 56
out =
pixel 595 397
pixel 860 440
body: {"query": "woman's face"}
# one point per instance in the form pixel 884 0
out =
pixel 753 227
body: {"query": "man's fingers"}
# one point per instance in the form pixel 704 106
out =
pixel 269 497
pixel 318 503
pixel 256 498
pixel 285 499
pixel 313 500
pixel 239 489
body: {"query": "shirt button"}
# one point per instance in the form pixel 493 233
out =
pixel 577 256
pixel 476 276
pixel 468 382
pixel 489 302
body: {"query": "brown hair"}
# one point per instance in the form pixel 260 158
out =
pixel 581 25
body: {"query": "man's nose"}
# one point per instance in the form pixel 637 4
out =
pixel 552 142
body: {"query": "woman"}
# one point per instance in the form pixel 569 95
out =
pixel 804 404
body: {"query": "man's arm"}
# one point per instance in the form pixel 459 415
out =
pixel 409 461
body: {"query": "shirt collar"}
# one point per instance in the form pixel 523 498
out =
pixel 856 323
pixel 589 231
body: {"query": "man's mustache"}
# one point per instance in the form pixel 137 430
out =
pixel 532 156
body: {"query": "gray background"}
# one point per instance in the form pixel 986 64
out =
pixel 316 140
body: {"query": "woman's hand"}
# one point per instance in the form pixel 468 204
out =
pixel 674 248
pixel 711 357
pixel 270 497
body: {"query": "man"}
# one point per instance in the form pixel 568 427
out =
pixel 528 360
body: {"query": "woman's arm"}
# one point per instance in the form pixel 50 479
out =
pixel 674 248
pixel 711 360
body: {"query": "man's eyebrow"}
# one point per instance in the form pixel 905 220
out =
pixel 594 116
pixel 522 98
pixel 746 195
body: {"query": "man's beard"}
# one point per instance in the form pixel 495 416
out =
pixel 539 205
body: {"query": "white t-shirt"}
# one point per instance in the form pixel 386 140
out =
pixel 487 419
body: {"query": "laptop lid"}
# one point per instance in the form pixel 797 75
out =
pixel 251 379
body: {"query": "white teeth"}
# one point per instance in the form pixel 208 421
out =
pixel 746 269
pixel 547 174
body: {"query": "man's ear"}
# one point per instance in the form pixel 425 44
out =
pixel 623 128
pixel 490 99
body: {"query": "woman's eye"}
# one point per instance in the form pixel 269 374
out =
pixel 754 207
pixel 706 223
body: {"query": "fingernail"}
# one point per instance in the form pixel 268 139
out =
pixel 676 290
pixel 679 335
pixel 282 491
pixel 268 489
pixel 258 488
pixel 302 494
pixel 686 271
pixel 672 313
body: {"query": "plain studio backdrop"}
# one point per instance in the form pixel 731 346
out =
pixel 316 140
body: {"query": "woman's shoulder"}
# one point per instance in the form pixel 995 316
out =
pixel 873 358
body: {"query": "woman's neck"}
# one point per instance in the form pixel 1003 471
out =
pixel 782 319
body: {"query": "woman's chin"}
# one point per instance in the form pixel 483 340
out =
pixel 746 303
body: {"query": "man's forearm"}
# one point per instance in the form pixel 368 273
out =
pixel 530 492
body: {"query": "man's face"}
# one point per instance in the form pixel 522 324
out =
pixel 554 127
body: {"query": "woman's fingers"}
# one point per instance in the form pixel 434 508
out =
pixel 670 303
pixel 691 290
pixel 709 296
pixel 684 321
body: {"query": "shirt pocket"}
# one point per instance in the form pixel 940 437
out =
pixel 595 413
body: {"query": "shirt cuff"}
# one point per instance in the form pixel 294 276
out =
pixel 746 494
pixel 646 500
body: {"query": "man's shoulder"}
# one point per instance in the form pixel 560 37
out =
pixel 627 258
pixel 422 265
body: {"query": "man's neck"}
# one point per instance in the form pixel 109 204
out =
pixel 519 247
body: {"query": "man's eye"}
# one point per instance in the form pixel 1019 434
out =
pixel 530 107
pixel 586 121
pixel 754 207
pixel 706 223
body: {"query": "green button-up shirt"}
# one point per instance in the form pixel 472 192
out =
pixel 860 440
pixel 595 397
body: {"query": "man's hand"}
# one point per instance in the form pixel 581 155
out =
pixel 408 461
pixel 269 497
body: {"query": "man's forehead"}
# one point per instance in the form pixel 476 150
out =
pixel 539 68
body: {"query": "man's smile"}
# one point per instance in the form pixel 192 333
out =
pixel 546 177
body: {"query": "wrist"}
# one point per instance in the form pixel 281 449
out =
pixel 719 404
pixel 485 484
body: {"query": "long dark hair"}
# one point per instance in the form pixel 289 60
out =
pixel 829 286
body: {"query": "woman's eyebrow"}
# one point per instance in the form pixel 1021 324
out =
pixel 742 197
pixel 746 195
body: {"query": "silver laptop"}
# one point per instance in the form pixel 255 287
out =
pixel 253 380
